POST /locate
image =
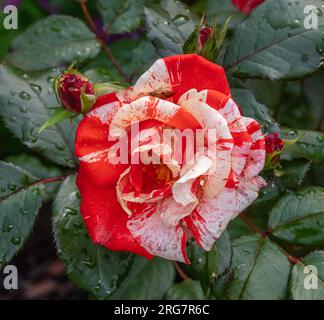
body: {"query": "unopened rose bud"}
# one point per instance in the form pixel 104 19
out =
pixel 71 87
pixel 273 143
pixel 204 34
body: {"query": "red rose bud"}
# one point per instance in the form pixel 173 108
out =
pixel 273 143
pixel 75 92
pixel 204 34
pixel 246 6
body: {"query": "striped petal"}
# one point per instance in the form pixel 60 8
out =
pixel 156 237
pixel 105 219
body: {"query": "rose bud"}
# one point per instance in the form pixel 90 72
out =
pixel 204 34
pixel 75 92
pixel 274 146
pixel 273 143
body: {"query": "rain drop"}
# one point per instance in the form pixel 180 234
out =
pixel 36 88
pixel 59 146
pixel 180 19
pixel 12 187
pixel 23 109
pixel 7 228
pixel 24 95
pixel 23 211
pixel 15 240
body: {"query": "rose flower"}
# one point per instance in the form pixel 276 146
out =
pixel 151 207
pixel 246 6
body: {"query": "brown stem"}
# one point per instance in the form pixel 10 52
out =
pixel 107 51
pixel 182 275
pixel 247 221
pixel 256 229
pixel 49 180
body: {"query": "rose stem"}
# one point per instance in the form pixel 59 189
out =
pixel 182 275
pixel 104 46
pixel 256 229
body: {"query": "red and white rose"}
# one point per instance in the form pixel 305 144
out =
pixel 246 6
pixel 152 209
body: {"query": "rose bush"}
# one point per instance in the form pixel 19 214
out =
pixel 227 109
pixel 150 209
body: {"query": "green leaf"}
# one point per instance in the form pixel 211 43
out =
pixel 34 166
pixel 26 102
pixel 219 257
pixel 309 145
pixel 313 89
pixel 208 266
pixel 181 16
pixel 259 270
pixel 121 16
pixel 151 283
pixel 220 9
pixel 254 109
pixel 135 56
pixel 267 92
pixel 301 276
pixel 291 174
pixel 57 116
pixel 20 200
pixel 51 42
pixel 94 268
pixel 186 290
pixel 298 217
pixel 273 43
pixel 169 29
pixel 38 169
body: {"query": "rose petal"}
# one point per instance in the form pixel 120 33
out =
pixel 156 237
pixel 182 188
pixel 105 219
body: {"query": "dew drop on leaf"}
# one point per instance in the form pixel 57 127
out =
pixel 180 19
pixel 23 211
pixel 12 187
pixel 15 240
pixel 36 88
pixel 59 146
pixel 23 109
pixel 7 228
pixel 24 95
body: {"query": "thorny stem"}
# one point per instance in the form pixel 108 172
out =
pixel 107 51
pixel 182 275
pixel 256 229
